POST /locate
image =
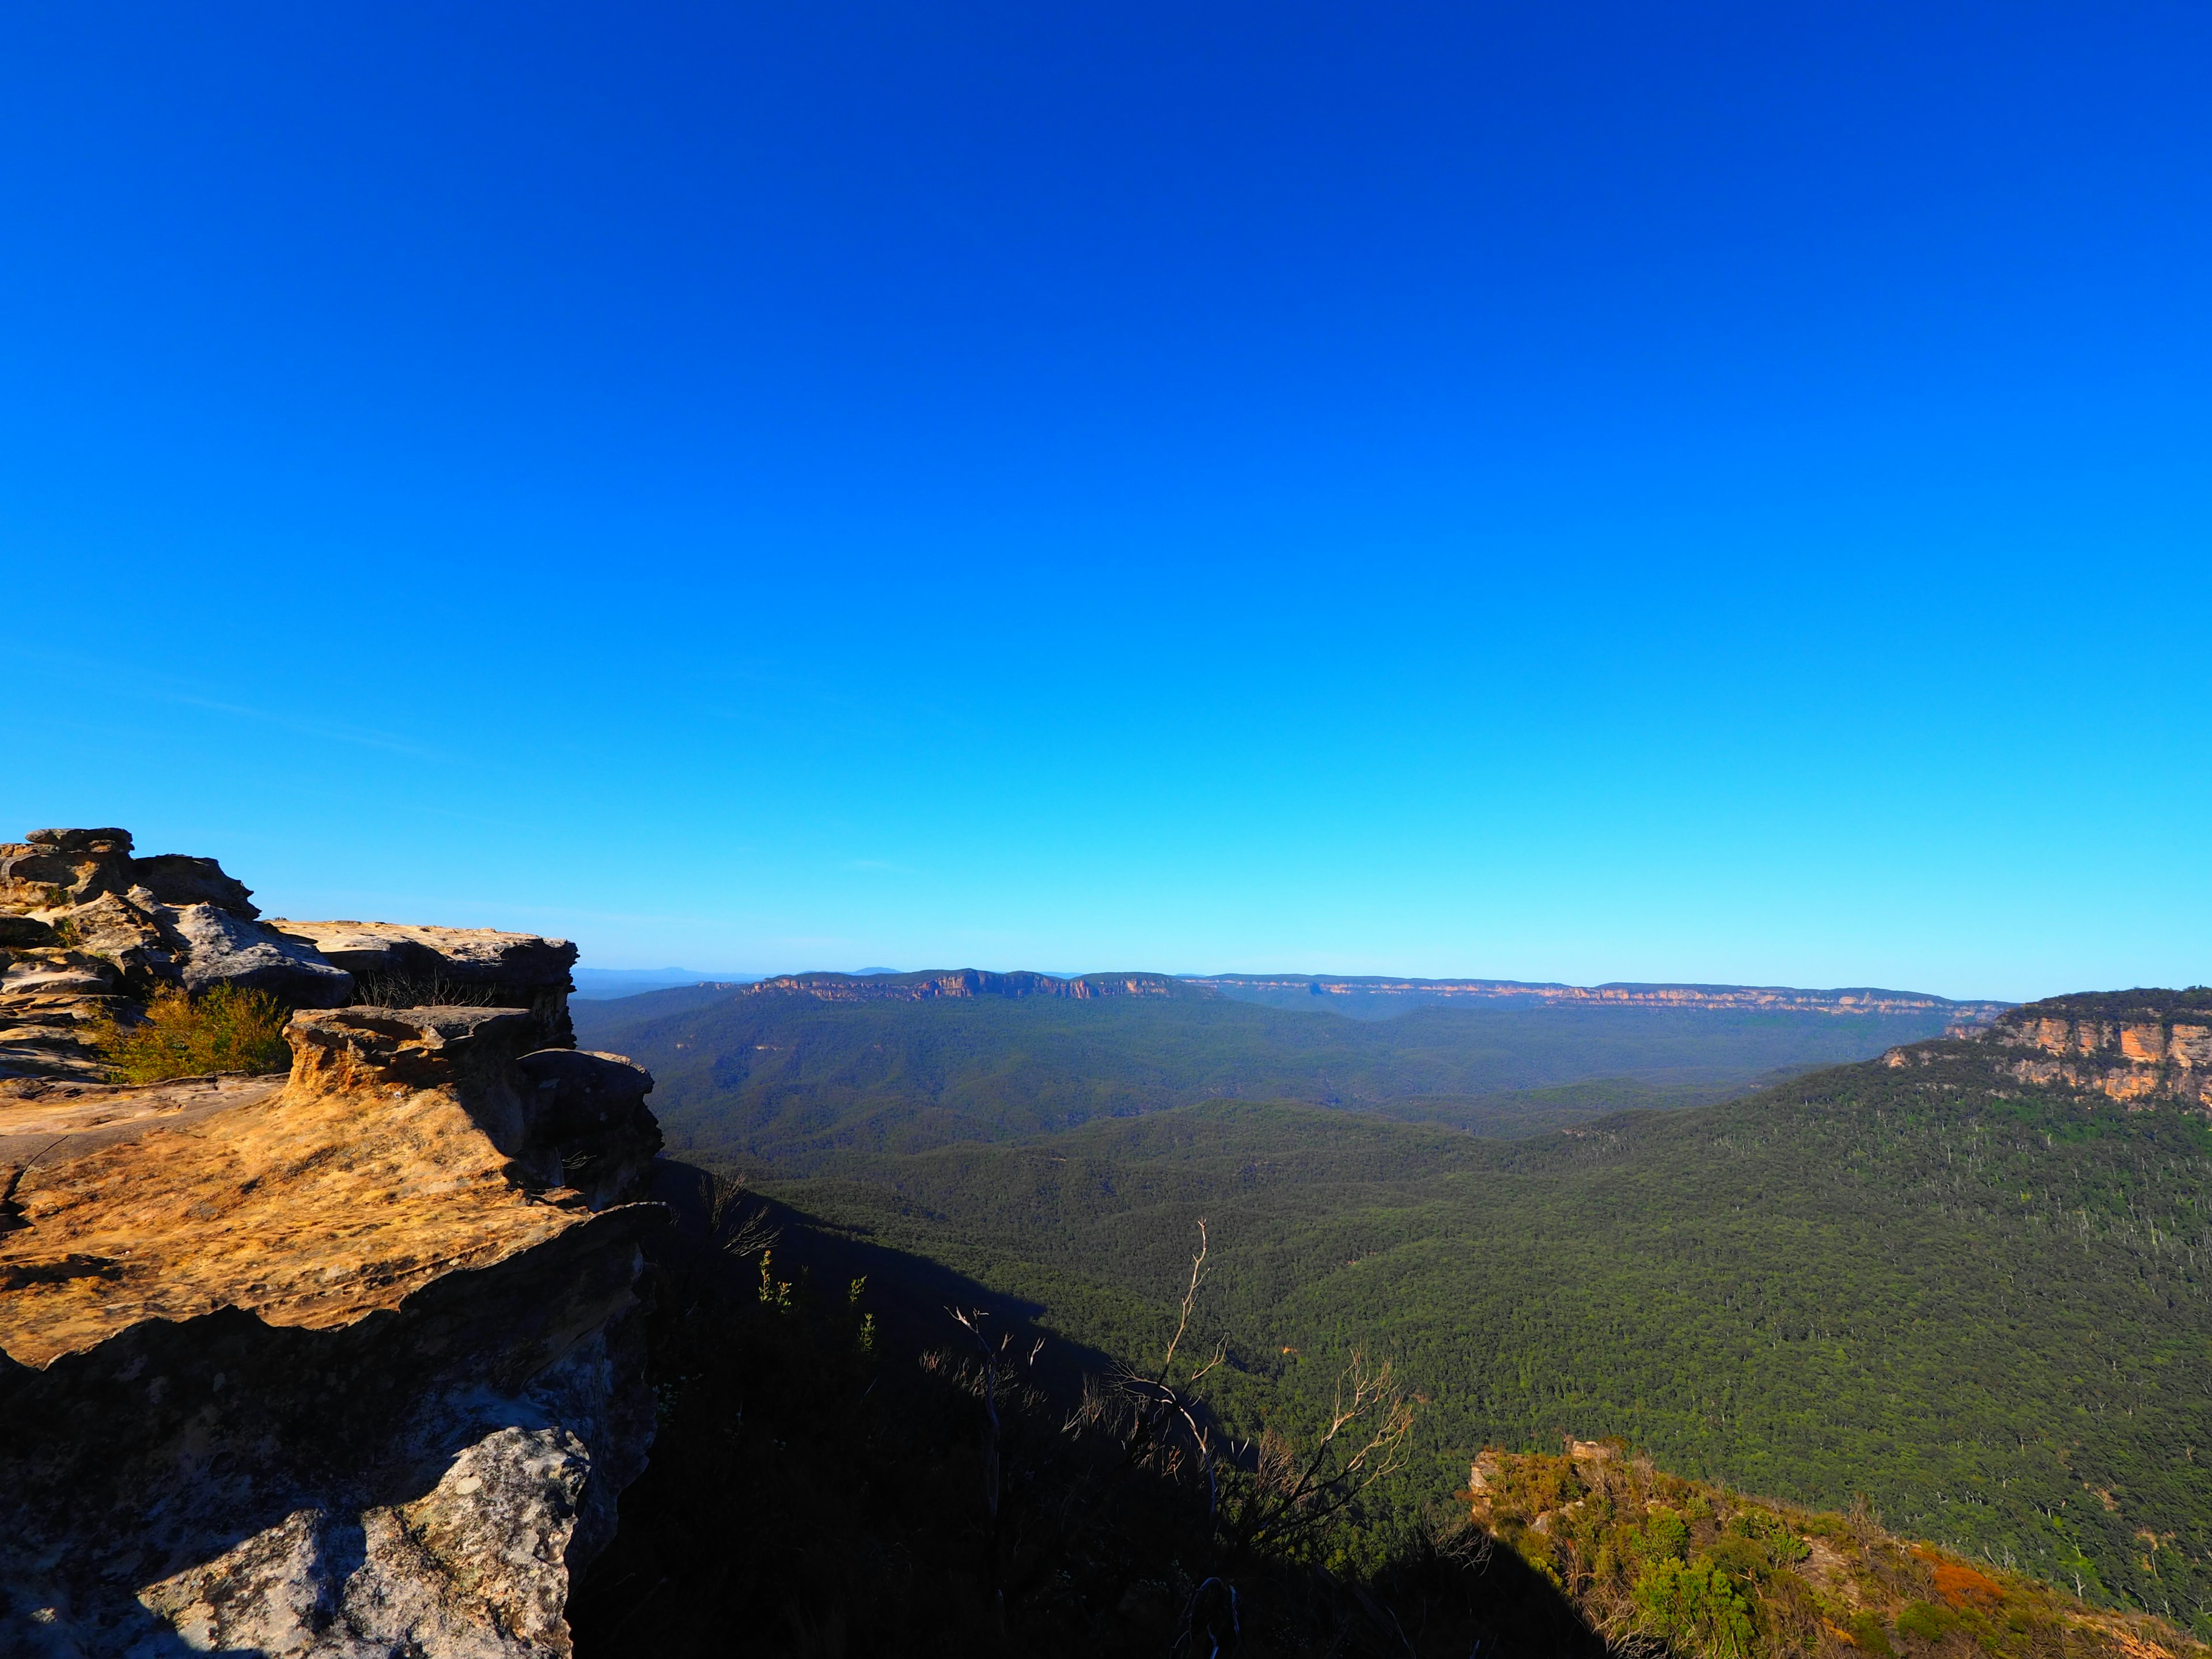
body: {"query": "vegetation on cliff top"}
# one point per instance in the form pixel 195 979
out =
pixel 1649 1558
pixel 223 1029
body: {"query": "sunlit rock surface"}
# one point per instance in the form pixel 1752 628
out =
pixel 341 1363
pixel 2140 1048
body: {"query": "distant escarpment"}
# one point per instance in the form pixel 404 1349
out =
pixel 964 983
pixel 1742 998
pixel 2141 1047
pixel 346 1361
pixel 1362 994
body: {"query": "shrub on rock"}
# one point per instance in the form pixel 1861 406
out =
pixel 224 1028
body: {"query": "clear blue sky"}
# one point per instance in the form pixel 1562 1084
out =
pixel 1711 492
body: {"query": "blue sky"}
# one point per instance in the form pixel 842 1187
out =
pixel 1714 492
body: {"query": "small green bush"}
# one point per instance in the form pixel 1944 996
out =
pixel 1694 1609
pixel 222 1030
pixel 1665 1534
pixel 1867 1633
pixel 1925 1621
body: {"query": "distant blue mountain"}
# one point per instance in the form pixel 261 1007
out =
pixel 605 984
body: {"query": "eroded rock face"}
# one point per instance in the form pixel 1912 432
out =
pixel 340 1364
pixel 396 962
pixel 961 983
pixel 2141 1048
pixel 221 949
pixel 2136 1046
pixel 78 909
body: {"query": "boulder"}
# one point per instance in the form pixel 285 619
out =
pixel 37 875
pixel 177 879
pixel 74 867
pixel 132 936
pixel 228 950
pixel 81 841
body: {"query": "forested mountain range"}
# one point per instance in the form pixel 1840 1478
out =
pixel 1950 1280
pixel 798 1069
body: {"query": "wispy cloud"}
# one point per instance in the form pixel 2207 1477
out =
pixel 185 694
pixel 358 736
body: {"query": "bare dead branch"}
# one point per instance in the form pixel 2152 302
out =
pixel 1220 1353
pixel 735 1229
pixel 1363 1444
pixel 1189 1300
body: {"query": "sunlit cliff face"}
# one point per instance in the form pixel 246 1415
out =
pixel 2167 1054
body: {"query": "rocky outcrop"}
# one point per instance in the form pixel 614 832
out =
pixel 88 932
pixel 2136 1046
pixel 57 869
pixel 48 998
pixel 2142 1048
pixel 393 961
pixel 347 1362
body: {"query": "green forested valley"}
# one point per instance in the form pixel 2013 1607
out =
pixel 791 1080
pixel 1976 1308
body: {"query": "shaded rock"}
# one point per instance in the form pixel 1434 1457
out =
pixel 177 879
pixel 222 948
pixel 25 932
pixel 47 1000
pixel 405 966
pixel 591 1108
pixel 81 840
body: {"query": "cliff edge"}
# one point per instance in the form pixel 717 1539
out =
pixel 345 1361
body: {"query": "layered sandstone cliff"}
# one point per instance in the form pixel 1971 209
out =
pixel 2131 1045
pixel 2142 1048
pixel 343 1362
pixel 1746 999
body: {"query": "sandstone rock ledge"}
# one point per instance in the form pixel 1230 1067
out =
pixel 342 1364
pixel 88 931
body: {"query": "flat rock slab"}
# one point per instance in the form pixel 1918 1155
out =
pixel 47 1123
pixel 302 1207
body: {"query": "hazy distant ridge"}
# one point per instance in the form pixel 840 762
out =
pixel 1850 999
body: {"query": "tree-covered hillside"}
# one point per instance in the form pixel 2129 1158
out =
pixel 1981 1306
pixel 785 1079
